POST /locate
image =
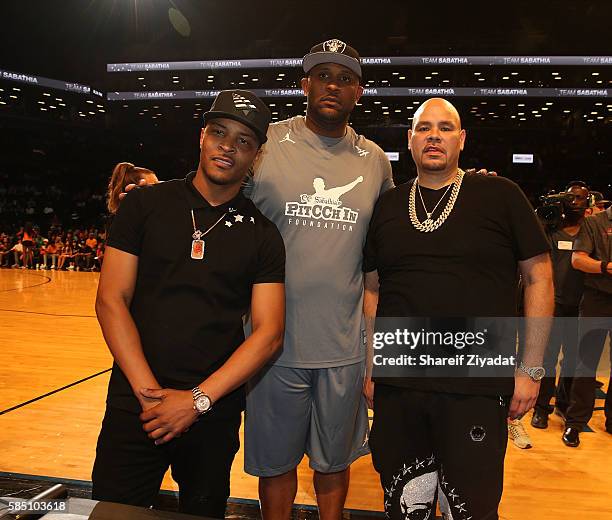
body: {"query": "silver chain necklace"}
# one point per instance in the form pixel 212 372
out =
pixel 197 244
pixel 429 225
pixel 430 213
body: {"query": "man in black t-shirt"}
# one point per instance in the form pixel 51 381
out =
pixel 568 291
pixel 593 256
pixel 449 245
pixel 185 261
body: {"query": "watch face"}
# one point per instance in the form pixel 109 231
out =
pixel 538 373
pixel 202 404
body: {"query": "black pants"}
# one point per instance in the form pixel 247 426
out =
pixel 129 468
pixel 564 335
pixel 432 447
pixel 595 325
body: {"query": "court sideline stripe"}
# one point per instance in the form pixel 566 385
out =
pixel 47 280
pixel 53 392
pixel 50 313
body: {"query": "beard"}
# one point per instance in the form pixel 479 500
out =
pixel 328 117
pixel 220 179
pixel 434 166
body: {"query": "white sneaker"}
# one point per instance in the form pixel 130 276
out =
pixel 516 432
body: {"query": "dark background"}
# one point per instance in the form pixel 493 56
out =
pixel 73 148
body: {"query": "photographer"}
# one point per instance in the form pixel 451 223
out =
pixel 562 215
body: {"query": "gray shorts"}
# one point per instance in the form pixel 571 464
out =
pixel 292 411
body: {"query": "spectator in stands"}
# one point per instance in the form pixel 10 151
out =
pixel 39 249
pixel 92 241
pixel 84 254
pixel 75 253
pixel 99 257
pixel 41 252
pixel 5 248
pixel 59 247
pixel 50 253
pixel 67 254
pixel 17 250
pixel 86 251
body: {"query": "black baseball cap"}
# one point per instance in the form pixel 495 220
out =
pixel 332 51
pixel 242 106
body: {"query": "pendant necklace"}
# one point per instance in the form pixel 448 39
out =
pixel 197 245
pixel 428 220
pixel 429 225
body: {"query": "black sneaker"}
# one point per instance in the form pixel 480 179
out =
pixel 539 420
pixel 571 437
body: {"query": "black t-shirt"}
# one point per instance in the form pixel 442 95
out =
pixel 189 312
pixel 466 268
pixel 569 282
pixel 595 239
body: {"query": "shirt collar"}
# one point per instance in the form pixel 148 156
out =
pixel 346 141
pixel 197 201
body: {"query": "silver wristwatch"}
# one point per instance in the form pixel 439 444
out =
pixel 201 402
pixel 535 373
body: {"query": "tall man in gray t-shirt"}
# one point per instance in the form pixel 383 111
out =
pixel 318 182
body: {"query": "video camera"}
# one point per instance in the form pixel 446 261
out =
pixel 555 206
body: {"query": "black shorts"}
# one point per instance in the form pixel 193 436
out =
pixel 129 467
pixel 434 447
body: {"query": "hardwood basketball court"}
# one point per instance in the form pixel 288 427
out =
pixel 54 372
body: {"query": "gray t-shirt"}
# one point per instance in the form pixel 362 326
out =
pixel 320 193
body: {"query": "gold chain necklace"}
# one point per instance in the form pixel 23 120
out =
pixel 429 225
